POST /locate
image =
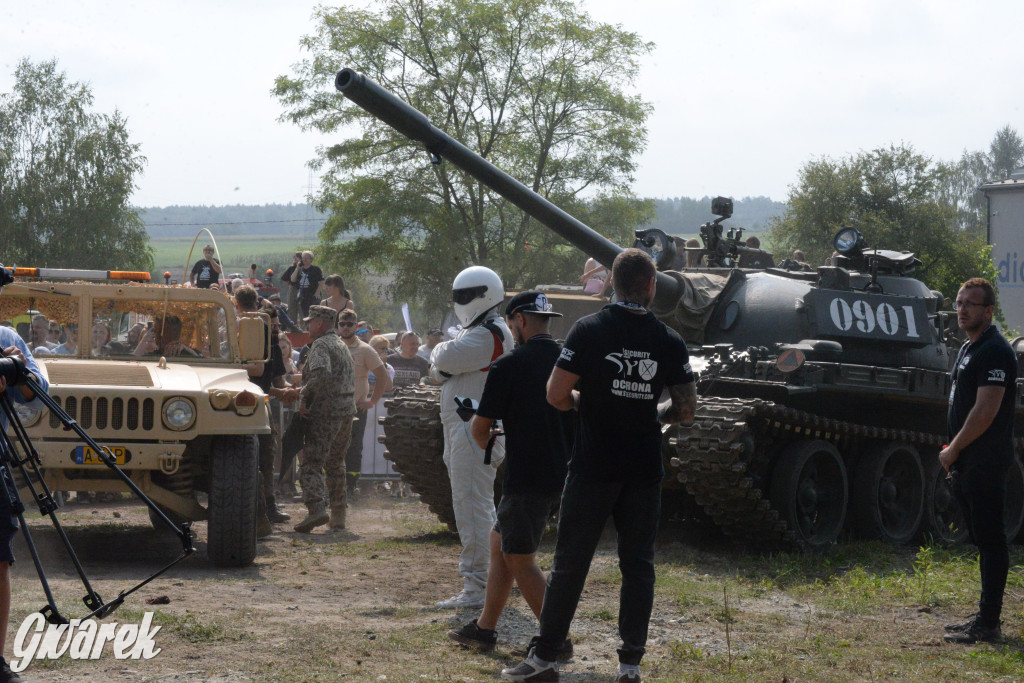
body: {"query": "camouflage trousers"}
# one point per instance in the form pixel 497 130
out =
pixel 322 474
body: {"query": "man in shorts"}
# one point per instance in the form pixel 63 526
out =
pixel 538 440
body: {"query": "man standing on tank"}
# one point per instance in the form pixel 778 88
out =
pixel 980 450
pixel 206 271
pixel 621 358
pixel 537 442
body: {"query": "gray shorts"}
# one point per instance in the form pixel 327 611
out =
pixel 522 518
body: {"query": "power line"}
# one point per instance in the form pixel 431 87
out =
pixel 296 220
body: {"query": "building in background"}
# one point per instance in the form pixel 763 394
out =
pixel 1005 201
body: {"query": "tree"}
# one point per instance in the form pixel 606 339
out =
pixel 974 169
pixel 534 86
pixel 66 175
pixel 892 196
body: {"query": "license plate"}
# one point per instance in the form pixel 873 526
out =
pixel 85 455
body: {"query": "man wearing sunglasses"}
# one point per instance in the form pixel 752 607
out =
pixel 365 360
pixel 461 364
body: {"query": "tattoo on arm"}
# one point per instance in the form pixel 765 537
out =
pixel 681 406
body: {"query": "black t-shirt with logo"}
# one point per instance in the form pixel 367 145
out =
pixel 987 362
pixel 408 371
pixel 538 437
pixel 205 274
pixel 309 284
pixel 624 359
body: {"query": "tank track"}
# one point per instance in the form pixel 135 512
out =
pixel 414 439
pixel 718 458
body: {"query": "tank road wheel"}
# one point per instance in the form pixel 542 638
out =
pixel 809 491
pixel 234 472
pixel 888 493
pixel 943 519
pixel 1014 510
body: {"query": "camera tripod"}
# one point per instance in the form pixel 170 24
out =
pixel 19 452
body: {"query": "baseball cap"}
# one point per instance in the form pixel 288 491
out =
pixel 530 302
pixel 325 313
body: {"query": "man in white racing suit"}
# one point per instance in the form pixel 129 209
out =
pixel 461 365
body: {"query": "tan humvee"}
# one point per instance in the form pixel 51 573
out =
pixel 179 414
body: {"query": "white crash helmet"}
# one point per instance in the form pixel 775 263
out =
pixel 475 291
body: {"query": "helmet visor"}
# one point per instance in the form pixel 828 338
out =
pixel 464 296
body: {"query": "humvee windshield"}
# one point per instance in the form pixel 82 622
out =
pixel 118 328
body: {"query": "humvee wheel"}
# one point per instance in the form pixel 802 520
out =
pixel 809 490
pixel 888 493
pixel 231 531
pixel 1013 516
pixel 943 519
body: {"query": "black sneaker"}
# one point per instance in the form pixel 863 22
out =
pixel 473 636
pixel 962 626
pixel 976 633
pixel 6 675
pixel 564 653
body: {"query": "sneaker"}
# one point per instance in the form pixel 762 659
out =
pixel 976 633
pixel 564 652
pixel 277 517
pixel 962 626
pixel 532 669
pixel 630 674
pixel 312 521
pixel 475 637
pixel 462 600
pixel 6 675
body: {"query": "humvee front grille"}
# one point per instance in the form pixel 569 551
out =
pixel 103 413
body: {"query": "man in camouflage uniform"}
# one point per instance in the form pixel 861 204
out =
pixel 328 408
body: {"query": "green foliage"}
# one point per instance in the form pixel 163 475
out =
pixel 893 196
pixel 66 174
pixel 963 178
pixel 534 86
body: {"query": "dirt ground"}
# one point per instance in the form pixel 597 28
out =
pixel 359 605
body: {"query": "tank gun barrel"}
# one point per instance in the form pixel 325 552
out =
pixel 413 124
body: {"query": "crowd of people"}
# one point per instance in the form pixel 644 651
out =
pixel 562 419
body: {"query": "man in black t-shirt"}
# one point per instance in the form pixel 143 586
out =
pixel 409 366
pixel 980 450
pixel 622 358
pixel 537 442
pixel 206 271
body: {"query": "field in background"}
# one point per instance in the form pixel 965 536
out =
pixel 236 252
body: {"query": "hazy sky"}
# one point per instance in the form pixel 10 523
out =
pixel 744 93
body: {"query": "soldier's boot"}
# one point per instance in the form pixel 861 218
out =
pixel 315 518
pixel 263 525
pixel 337 518
pixel 274 513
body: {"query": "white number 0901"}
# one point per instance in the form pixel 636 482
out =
pixel 885 317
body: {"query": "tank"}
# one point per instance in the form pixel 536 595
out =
pixel 822 395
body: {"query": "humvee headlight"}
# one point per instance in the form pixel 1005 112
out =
pixel 27 415
pixel 179 414
pixel 245 403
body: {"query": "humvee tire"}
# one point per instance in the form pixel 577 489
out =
pixel 234 475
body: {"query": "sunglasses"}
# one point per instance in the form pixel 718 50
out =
pixel 346 324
